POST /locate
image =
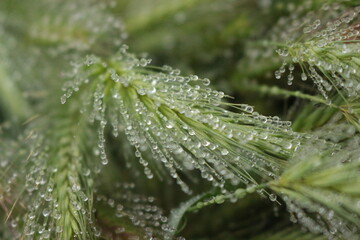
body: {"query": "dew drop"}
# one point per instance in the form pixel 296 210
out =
pixel 206 82
pixel 46 212
pixel 272 197
pixel 169 124
pixel 303 76
pixel 224 152
pixel 288 145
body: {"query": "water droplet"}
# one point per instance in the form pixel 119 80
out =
pixel 224 152
pixel 75 187
pixel 206 82
pixel 169 124
pixel 303 76
pixel 46 212
pixel 272 197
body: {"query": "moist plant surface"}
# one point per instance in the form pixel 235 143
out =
pixel 180 119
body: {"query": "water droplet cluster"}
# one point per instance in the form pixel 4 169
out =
pixel 312 198
pixel 50 185
pixel 182 122
pixel 74 25
pixel 325 45
pixel 234 196
pixel 141 211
